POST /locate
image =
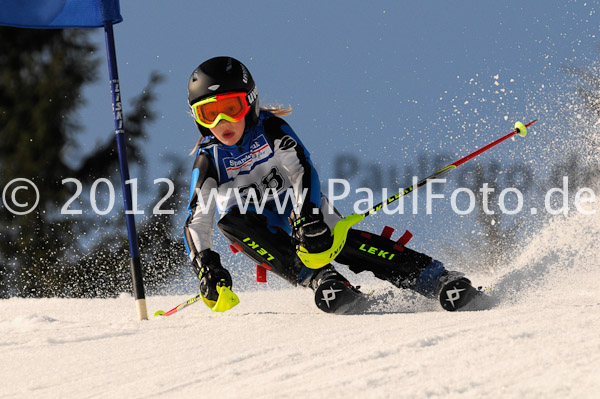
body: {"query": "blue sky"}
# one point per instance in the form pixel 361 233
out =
pixel 384 81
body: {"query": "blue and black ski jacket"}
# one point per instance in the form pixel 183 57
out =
pixel 269 165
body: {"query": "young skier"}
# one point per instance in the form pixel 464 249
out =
pixel 250 152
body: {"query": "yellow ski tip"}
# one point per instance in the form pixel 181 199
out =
pixel 159 313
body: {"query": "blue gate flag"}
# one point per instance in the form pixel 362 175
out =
pixel 59 13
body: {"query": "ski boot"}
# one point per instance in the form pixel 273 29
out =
pixel 334 293
pixel 455 290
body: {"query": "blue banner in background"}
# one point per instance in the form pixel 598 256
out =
pixel 59 13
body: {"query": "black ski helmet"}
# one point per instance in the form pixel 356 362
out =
pixel 221 75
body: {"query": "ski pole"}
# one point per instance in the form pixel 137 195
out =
pixel 340 230
pixel 178 307
pixel 519 129
pixel 227 299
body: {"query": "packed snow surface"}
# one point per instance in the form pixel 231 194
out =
pixel 539 339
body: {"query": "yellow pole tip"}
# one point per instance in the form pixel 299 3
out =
pixel 521 129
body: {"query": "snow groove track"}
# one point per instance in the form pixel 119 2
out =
pixel 540 339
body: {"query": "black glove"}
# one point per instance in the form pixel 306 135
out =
pixel 211 274
pixel 311 232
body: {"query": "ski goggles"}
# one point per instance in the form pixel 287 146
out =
pixel 230 106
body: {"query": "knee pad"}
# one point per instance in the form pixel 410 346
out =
pixel 249 233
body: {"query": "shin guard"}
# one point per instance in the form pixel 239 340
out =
pixel 249 234
pixel 386 259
